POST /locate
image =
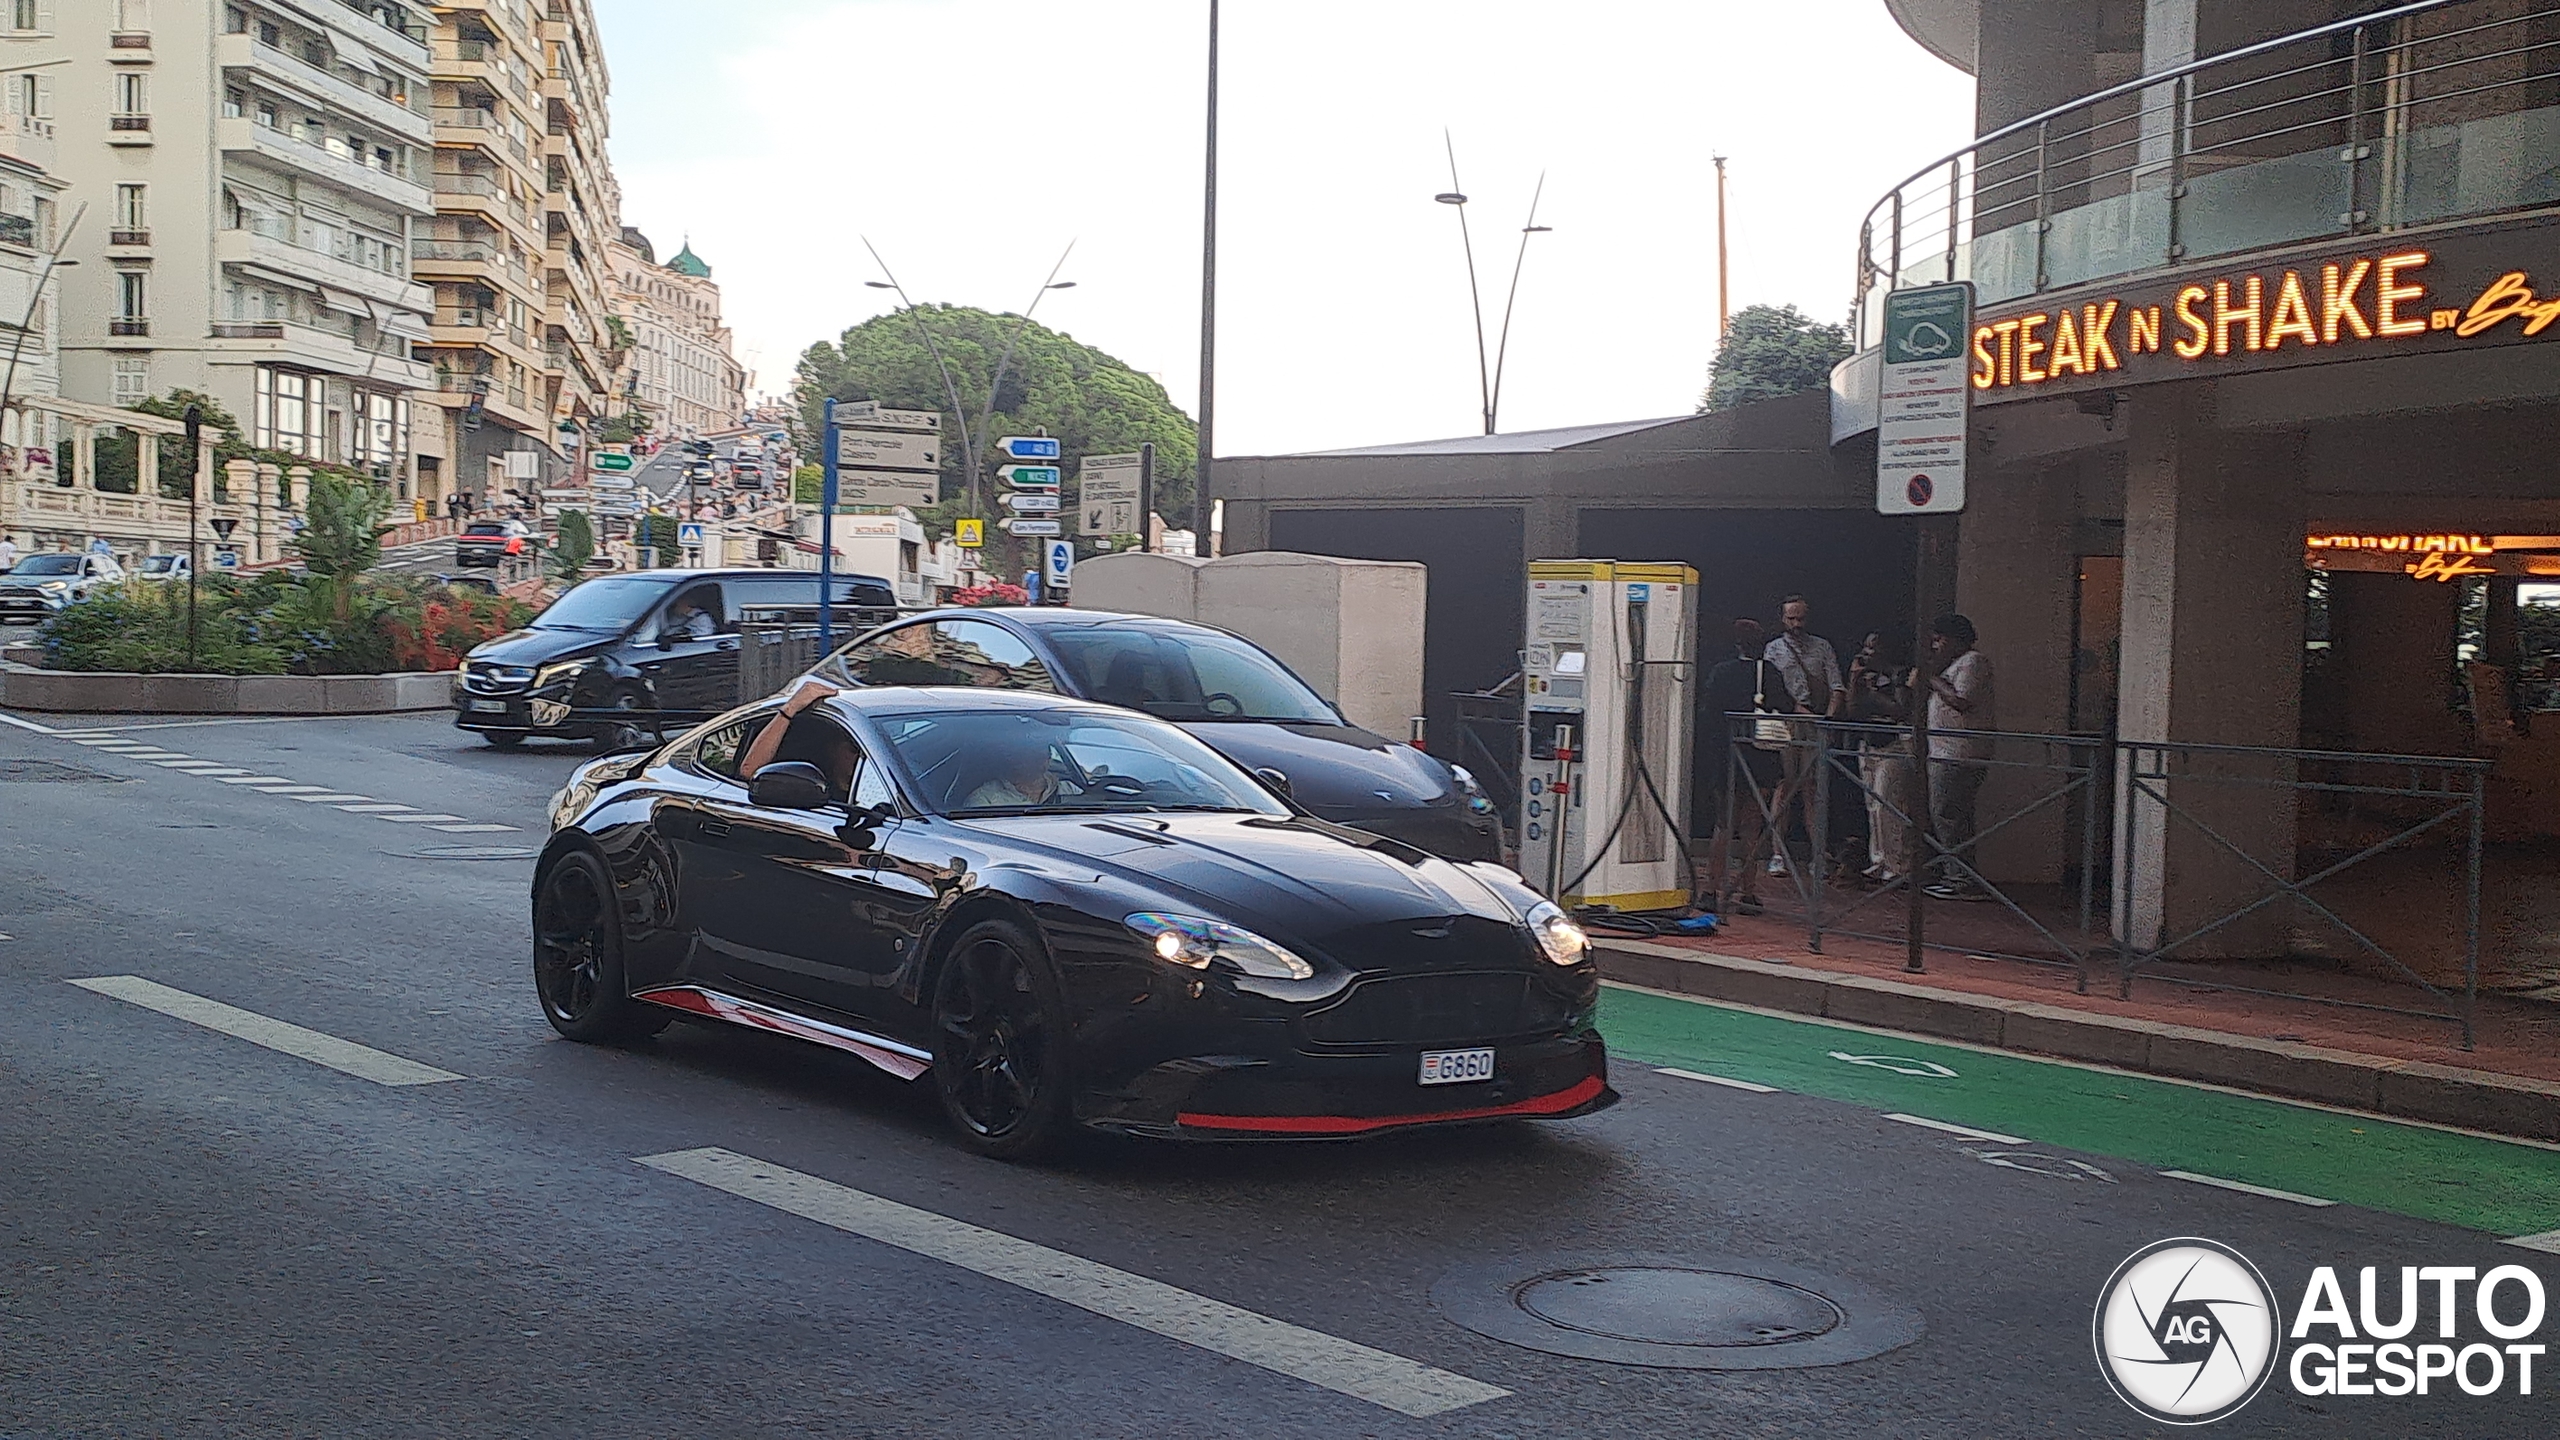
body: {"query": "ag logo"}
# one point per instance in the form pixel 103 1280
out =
pixel 2186 1331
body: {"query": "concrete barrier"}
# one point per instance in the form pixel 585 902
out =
pixel 107 692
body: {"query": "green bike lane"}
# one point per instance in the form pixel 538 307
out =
pixel 2508 1189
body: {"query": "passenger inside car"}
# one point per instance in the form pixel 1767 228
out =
pixel 1016 770
pixel 794 734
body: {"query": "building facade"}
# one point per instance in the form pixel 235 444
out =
pixel 517 252
pixel 681 369
pixel 249 177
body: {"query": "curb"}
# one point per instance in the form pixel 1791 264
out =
pixel 2408 1089
pixel 109 692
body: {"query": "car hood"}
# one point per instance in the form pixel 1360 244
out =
pixel 1333 768
pixel 538 647
pixel 1295 880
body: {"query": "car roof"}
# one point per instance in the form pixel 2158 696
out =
pixel 672 577
pixel 1045 616
pixel 912 699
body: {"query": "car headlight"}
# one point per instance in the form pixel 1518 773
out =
pixel 53 587
pixel 565 670
pixel 1188 940
pixel 1477 800
pixel 1563 941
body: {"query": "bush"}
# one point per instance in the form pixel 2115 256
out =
pixel 449 623
pixel 143 627
pixel 278 624
pixel 1001 592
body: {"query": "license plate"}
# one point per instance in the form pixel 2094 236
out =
pixel 1456 1067
pixel 488 707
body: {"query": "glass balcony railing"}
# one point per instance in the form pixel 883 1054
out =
pixel 2415 115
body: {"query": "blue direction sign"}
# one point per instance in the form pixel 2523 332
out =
pixel 1030 447
pixel 1024 477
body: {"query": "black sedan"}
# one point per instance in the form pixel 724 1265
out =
pixel 1064 914
pixel 1223 688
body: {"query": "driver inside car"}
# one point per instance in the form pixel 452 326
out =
pixel 1019 773
pixel 817 741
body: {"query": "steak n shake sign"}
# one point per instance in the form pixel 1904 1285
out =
pixel 2459 291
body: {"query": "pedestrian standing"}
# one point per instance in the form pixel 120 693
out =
pixel 1960 719
pixel 1729 689
pixel 8 553
pixel 1808 670
pixel 1880 696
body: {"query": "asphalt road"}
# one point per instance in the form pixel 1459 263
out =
pixel 205 1230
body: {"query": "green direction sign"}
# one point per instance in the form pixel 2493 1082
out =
pixel 605 461
pixel 1928 323
pixel 1024 476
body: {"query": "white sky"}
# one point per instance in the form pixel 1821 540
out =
pixel 971 140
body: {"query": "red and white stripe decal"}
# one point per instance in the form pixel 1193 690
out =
pixel 1556 1104
pixel 694 1000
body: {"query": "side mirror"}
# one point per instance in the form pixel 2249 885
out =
pixel 1274 781
pixel 788 785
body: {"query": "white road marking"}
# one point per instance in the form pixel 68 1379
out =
pixel 1715 1080
pixel 473 829
pixel 326 799
pixel 291 789
pixel 152 752
pixel 2548 1242
pixel 1405 1386
pixel 377 807
pixel 258 780
pixel 2245 1189
pixel 188 764
pixel 28 725
pixel 1965 1131
pixel 412 819
pixel 345 1056
pixel 218 770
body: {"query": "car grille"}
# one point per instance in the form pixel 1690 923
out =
pixel 1437 1009
pixel 488 679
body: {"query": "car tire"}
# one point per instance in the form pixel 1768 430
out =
pixel 1000 1062
pixel 617 735
pixel 503 739
pixel 577 956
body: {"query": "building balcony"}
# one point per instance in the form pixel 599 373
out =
pixel 274 253
pixel 129 327
pixel 325 88
pixel 128 129
pixel 128 239
pixel 129 47
pixel 468 194
pixel 400 190
pixel 405 42
pixel 470 261
pixel 28 139
pixel 18 231
pixel 482 127
pixel 315 349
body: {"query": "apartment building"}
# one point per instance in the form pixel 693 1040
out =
pixel 517 251
pixel 30 221
pixel 247 177
pixel 682 370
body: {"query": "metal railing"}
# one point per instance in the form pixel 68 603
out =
pixel 2274 852
pixel 2425 112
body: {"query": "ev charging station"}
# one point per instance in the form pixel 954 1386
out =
pixel 1609 680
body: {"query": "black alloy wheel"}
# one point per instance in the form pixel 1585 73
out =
pixel 577 956
pixel 1000 1043
pixel 619 734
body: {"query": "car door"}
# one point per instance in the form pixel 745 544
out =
pixel 686 670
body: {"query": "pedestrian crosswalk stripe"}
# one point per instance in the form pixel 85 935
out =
pixel 418 819
pixel 218 770
pixel 472 829
pixel 345 1056
pixel 292 789
pixel 329 799
pixel 1408 1387
pixel 258 780
pixel 377 807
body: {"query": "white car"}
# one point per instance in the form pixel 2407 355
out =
pixel 42 585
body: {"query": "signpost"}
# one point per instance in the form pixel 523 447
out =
pixel 1029 447
pixel 888 450
pixel 1108 490
pixel 689 535
pixel 969 534
pixel 1025 500
pixel 607 460
pixel 1022 477
pixel 1016 525
pixel 1057 565
pixel 886 487
pixel 869 415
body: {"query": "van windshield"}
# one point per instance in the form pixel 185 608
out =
pixel 608 604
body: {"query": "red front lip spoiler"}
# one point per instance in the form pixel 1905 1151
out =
pixel 1561 1102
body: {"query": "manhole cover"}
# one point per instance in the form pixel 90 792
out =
pixel 1688 1313
pixel 42 772
pixel 469 852
pixel 1661 1306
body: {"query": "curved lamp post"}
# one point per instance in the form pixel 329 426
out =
pixel 1489 376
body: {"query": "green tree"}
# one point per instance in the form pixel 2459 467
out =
pixel 343 526
pixel 808 485
pixel 658 533
pixel 575 546
pixel 1092 402
pixel 1772 350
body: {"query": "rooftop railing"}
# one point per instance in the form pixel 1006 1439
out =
pixel 2426 112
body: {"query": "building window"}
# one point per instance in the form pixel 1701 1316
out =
pixel 133 17
pixel 131 211
pixel 133 94
pixel 23 15
pixel 235 21
pixel 133 380
pixel 268 117
pixel 270 36
pixel 234 104
pixel 132 298
pixel 291 413
pixel 27 95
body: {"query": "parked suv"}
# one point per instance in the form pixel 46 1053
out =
pixel 42 585
pixel 633 643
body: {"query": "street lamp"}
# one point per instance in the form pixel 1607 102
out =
pixel 1489 376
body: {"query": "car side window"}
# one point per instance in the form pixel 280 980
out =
pixel 948 652
pixel 718 753
pixel 697 611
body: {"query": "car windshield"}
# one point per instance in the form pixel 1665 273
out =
pixel 1025 762
pixel 1185 675
pixel 485 527
pixel 48 565
pixel 611 603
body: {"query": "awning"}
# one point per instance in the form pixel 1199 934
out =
pixel 279 277
pixel 406 324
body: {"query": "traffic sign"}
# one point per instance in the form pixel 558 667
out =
pixel 1017 525
pixel 1029 447
pixel 870 416
pixel 882 450
pixel 1107 517
pixel 226 558
pixel 607 460
pixel 969 534
pixel 1057 563
pixel 1032 500
pixel 689 535
pixel 1023 476
pixel 1924 401
pixel 885 487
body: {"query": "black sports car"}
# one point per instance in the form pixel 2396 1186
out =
pixel 1065 914
pixel 1221 687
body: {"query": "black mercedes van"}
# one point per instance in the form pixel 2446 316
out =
pixel 637 642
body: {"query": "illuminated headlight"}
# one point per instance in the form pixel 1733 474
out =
pixel 53 587
pixel 1477 800
pixel 1186 940
pixel 1563 941
pixel 564 672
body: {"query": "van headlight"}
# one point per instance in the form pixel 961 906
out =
pixel 561 672
pixel 1563 941
pixel 1197 943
